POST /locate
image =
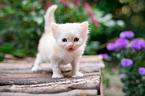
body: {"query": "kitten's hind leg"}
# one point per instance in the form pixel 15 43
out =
pixel 37 62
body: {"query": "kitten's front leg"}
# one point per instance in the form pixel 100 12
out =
pixel 56 70
pixel 75 69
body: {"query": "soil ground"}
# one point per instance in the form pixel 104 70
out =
pixel 115 84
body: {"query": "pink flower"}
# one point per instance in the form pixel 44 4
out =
pixel 77 2
pixel 48 3
pixel 91 14
pixel 65 3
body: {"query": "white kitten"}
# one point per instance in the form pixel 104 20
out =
pixel 61 44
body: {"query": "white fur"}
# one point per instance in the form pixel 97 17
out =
pixel 52 49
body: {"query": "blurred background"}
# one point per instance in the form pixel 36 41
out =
pixel 22 24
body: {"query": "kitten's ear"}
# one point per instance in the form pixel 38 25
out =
pixel 54 27
pixel 84 26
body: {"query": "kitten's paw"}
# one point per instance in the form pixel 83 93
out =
pixel 57 76
pixel 34 69
pixel 78 74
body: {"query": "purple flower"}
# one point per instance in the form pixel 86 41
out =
pixel 123 75
pixel 121 44
pixel 142 71
pixel 143 45
pixel 126 62
pixel 126 34
pixel 105 55
pixel 137 44
pixel 118 44
pixel 111 46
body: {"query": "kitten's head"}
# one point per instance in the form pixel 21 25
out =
pixel 70 36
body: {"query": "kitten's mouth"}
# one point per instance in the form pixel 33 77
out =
pixel 71 49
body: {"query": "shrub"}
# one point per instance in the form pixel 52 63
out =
pixel 132 62
pixel 21 26
pixel 22 23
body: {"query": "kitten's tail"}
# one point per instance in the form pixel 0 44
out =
pixel 49 17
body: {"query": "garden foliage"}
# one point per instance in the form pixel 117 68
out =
pixel 22 22
pixel 131 53
pixel 21 26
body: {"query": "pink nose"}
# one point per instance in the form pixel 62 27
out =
pixel 71 46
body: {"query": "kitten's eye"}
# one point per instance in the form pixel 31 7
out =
pixel 76 39
pixel 64 40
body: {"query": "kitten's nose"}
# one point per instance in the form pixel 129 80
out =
pixel 71 45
